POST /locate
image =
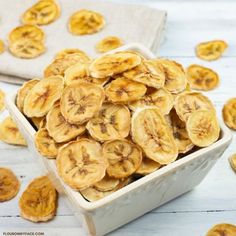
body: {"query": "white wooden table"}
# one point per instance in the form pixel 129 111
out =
pixel 212 202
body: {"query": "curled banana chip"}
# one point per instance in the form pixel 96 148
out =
pixel 2 46
pixel 211 50
pixel 109 43
pixel 106 184
pixel 2 100
pixel 81 102
pixel 42 96
pixel 112 122
pixel 229 113
pixel 9 133
pixel 113 64
pixel 123 91
pixel 9 184
pixel 124 157
pixel 39 201
pixel 232 161
pixel 72 51
pixel 147 166
pixel 86 22
pixel 59 129
pixel 202 78
pixel 81 164
pixel 203 128
pixel 151 132
pixel 222 230
pixel 188 102
pixel 41 13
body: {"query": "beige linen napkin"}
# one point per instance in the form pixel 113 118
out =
pixel 132 23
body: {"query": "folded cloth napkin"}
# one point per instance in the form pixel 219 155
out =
pixel 132 23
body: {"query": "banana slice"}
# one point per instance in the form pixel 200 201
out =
pixel 86 22
pixel 39 201
pixel 160 98
pixel 211 50
pixel 124 157
pixel 2 47
pixel 81 102
pixel 202 78
pixel 112 122
pixel 232 161
pixel 106 184
pixel 81 164
pixel 9 133
pixel 9 184
pixel 72 51
pixel 222 230
pixel 123 91
pixel 42 13
pixel 188 102
pixel 151 132
pixel 113 64
pixel 109 43
pixel 175 77
pixel 59 129
pixel 42 96
pixel 229 113
pixel 147 166
pixel 23 91
pixel 149 73
pixel 2 100
pixel 203 128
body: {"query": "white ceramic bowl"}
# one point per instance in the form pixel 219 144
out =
pixel 139 197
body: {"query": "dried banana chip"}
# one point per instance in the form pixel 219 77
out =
pixel 42 13
pixel 124 157
pixel 112 122
pixel 232 161
pixel 9 184
pixel 2 100
pixel 2 46
pixel 38 121
pixel 81 164
pixel 203 128
pixel 39 201
pixel 72 51
pixel 124 91
pixel 59 129
pixel 86 22
pixel 81 102
pixel 188 102
pixel 222 230
pixel 109 43
pixel 229 113
pixel 211 50
pixel 42 96
pixel 9 133
pixel 202 78
pixel 147 166
pixel 113 64
pixel 151 132
pixel 106 184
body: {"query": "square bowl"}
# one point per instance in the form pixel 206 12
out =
pixel 126 204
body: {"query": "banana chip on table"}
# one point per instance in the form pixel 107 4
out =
pixel 229 113
pixel 9 133
pixel 9 184
pixel 147 166
pixel 202 78
pixel 2 46
pixel 81 163
pixel 72 51
pixel 222 230
pixel 86 22
pixel 39 201
pixel 211 50
pixel 232 161
pixel 2 100
pixel 109 43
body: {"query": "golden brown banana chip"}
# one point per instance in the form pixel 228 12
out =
pixel 81 102
pixel 160 98
pixel 41 13
pixel 232 161
pixel 109 43
pixel 23 91
pixel 229 113
pixel 211 50
pixel 70 51
pixel 151 132
pixel 59 129
pixel 222 230
pixel 9 133
pixel 147 166
pixel 86 22
pixel 39 201
pixel 202 78
pixel 106 184
pixel 112 122
pixel 188 102
pixel 2 100
pixel 203 128
pixel 81 164
pixel 2 46
pixel 123 91
pixel 124 157
pixel 42 96
pixel 113 64
pixel 9 184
